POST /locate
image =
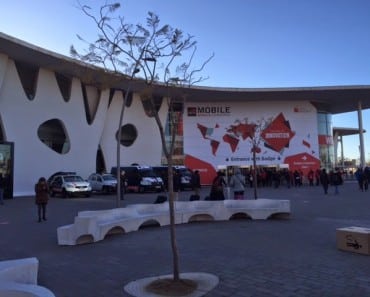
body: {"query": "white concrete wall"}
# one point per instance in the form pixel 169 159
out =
pixel 147 148
pixel 21 119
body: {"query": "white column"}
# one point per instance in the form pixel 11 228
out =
pixel 335 142
pixel 361 134
pixel 341 150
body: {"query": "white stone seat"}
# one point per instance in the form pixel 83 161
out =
pixel 155 212
pixel 18 278
pixel 19 270
pixel 92 226
pixel 259 209
pixel 199 210
pixel 13 289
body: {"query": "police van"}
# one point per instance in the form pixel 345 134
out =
pixel 141 179
pixel 184 172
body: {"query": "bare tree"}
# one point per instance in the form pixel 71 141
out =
pixel 256 141
pixel 155 54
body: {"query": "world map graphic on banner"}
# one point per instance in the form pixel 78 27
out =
pixel 276 136
pixel 234 133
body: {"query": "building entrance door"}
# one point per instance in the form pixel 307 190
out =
pixel 7 167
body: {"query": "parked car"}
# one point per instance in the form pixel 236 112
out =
pixel 106 183
pixel 186 177
pixel 50 179
pixel 185 174
pixel 69 185
pixel 141 179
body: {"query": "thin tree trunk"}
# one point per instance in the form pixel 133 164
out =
pixel 169 156
pixel 118 196
pixel 254 174
pixel 175 254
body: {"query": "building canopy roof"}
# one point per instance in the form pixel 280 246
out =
pixel 346 131
pixel 332 99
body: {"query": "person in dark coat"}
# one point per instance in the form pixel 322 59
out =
pixel 176 184
pixel 217 188
pixel 324 180
pixel 2 186
pixel 41 197
pixel 123 184
pixel 195 180
pixel 336 180
pixel 360 178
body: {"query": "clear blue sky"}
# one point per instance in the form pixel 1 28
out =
pixel 257 43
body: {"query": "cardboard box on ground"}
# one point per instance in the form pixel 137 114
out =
pixel 354 239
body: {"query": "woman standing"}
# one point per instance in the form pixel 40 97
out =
pixel 237 182
pixel 42 197
pixel 217 188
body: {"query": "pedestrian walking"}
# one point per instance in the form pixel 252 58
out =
pixel 176 184
pixel 2 186
pixel 123 184
pixel 195 180
pixel 310 177
pixel 324 180
pixel 297 179
pixel 336 180
pixel 41 198
pixel 359 174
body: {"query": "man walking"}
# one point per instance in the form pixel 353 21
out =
pixel 324 180
pixel 2 186
pixel 195 180
pixel 123 184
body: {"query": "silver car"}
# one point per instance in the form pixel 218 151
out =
pixel 69 185
pixel 106 183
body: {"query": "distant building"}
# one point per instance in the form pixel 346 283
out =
pixel 58 114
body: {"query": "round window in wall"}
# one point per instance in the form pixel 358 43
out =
pixel 52 133
pixel 128 134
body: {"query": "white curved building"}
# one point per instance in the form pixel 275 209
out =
pixel 58 114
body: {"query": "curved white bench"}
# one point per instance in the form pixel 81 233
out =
pixel 13 289
pixel 20 270
pixel 92 226
pixel 18 278
pixel 200 210
pixel 259 209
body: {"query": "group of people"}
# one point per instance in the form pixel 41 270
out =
pixel 363 178
pixel 237 183
pixel 333 178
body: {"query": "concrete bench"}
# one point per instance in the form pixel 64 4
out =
pixel 13 289
pixel 154 213
pixel 85 227
pixel 200 210
pixel 92 226
pixel 18 278
pixel 259 209
pixel 19 270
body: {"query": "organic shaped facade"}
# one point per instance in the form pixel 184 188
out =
pixel 52 134
pixel 63 115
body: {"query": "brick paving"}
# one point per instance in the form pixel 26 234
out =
pixel 282 258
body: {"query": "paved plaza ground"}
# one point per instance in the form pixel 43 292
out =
pixel 294 257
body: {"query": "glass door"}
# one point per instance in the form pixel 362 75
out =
pixel 6 167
